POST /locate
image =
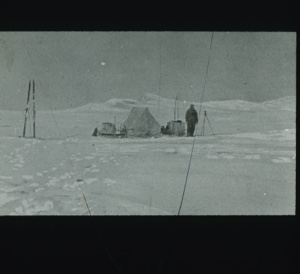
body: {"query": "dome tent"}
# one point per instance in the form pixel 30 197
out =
pixel 141 123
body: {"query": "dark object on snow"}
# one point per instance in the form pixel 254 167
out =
pixel 123 132
pixel 108 129
pixel 191 118
pixel 95 133
pixel 174 128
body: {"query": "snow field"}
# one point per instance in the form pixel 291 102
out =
pixel 246 168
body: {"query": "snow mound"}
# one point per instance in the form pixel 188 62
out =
pixel 285 103
pixel 111 104
pixel 149 98
pixel 279 135
pixel 232 104
pixel 121 103
pixel 92 106
pixel 153 99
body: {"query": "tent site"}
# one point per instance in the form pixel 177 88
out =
pixel 140 123
pixel 247 167
pixel 134 156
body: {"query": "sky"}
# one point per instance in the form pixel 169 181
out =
pixel 71 69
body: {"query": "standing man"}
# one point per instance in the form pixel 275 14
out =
pixel 191 118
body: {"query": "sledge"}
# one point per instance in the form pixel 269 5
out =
pixel 176 128
pixel 108 130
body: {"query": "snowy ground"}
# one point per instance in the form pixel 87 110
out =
pixel 246 168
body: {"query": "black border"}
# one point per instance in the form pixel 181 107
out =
pixel 171 244
pixel 206 16
pixel 145 244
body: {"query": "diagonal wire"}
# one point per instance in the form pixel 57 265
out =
pixel 165 253
pixel 61 135
pixel 110 256
pixel 190 160
pixel 155 154
pixel 75 171
pixel 158 113
pixel 201 101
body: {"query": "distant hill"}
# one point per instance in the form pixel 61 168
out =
pixel 285 103
pixel 122 103
pixel 150 100
pixel 114 103
pixel 232 104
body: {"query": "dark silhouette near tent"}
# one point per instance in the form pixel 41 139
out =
pixel 95 133
pixel 191 118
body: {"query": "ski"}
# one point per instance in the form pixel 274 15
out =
pixel 26 111
pixel 33 107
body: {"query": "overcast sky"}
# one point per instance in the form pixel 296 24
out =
pixel 73 68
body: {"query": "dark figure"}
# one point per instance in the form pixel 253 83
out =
pixel 95 133
pixel 167 129
pixel 191 118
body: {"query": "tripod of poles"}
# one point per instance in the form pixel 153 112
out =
pixel 203 125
